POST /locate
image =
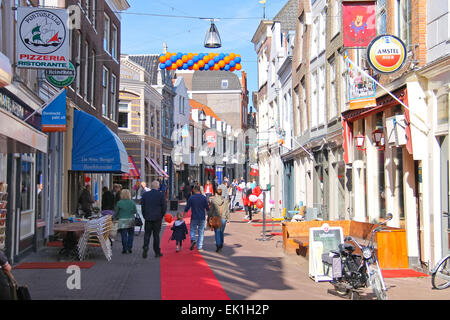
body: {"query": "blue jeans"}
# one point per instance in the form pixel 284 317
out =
pixel 127 236
pixel 198 227
pixel 219 233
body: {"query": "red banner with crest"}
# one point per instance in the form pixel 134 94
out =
pixel 358 23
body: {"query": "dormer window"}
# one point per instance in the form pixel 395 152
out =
pixel 224 84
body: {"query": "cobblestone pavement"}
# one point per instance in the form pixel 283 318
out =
pixel 248 268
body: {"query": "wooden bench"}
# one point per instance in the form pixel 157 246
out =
pixel 296 234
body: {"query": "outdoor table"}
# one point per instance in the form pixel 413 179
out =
pixel 71 233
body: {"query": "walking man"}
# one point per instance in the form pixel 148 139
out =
pixel 199 207
pixel 154 208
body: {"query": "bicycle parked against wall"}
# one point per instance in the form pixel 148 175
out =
pixel 440 275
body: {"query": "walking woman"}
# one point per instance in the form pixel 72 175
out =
pixel 219 207
pixel 125 212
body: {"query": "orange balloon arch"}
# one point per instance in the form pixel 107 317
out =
pixel 200 61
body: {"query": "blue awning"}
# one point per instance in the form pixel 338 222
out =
pixel 95 148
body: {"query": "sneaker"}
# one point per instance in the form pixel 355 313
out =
pixel 144 254
pixel 249 221
pixel 193 244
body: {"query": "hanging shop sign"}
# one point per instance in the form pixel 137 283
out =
pixel 200 61
pixel 42 38
pixel 211 137
pixel 358 23
pixel 54 114
pixel 361 90
pixel 386 54
pixel 61 78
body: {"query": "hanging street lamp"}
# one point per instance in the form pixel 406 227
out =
pixel 212 38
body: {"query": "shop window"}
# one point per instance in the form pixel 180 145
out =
pixel 25 187
pixel 442 109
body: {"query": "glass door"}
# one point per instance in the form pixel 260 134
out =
pixel 445 196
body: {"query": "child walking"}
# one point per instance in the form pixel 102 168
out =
pixel 179 230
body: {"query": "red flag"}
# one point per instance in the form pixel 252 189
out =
pixel 358 23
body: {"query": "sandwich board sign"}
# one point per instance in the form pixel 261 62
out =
pixel 322 240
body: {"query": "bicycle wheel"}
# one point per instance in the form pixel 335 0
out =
pixel 377 285
pixel 440 278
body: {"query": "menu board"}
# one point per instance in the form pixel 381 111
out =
pixel 322 240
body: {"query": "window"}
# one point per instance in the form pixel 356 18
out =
pixel 303 109
pixel 315 38
pixel 314 99
pixel 344 81
pixel 335 18
pixel 106 35
pixel 403 21
pixel 300 43
pixel 114 98
pixel 124 116
pixel 86 71
pixel 442 109
pixel 114 47
pixel 92 61
pixel 333 111
pixel 322 36
pixel 381 17
pixel 146 119
pixel 224 84
pixel 94 13
pixel 322 95
pixel 105 83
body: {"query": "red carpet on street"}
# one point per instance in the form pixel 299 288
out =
pixel 402 273
pixel 55 265
pixel 185 274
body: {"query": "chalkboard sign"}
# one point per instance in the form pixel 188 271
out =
pixel 322 240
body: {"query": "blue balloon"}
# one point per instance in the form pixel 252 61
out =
pixel 227 67
pixel 232 63
pixel 190 63
pixel 179 55
pixel 221 56
pixel 185 66
pixel 168 63
pixel 201 68
pixel 216 59
pixel 237 59
pixel 173 58
pixel 195 58
pixel 162 65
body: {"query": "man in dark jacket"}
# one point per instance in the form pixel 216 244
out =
pixel 86 201
pixel 107 199
pixel 154 208
pixel 199 207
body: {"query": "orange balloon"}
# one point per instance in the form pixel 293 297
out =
pixel 221 63
pixel 168 55
pixel 201 63
pixel 216 67
pixel 232 56
pixel 184 59
pixel 174 66
pixel 162 59
pixel 226 59
pixel 190 56
pixel 195 66
pixel 206 59
pixel 179 62
pixel 232 69
pixel 238 66
pixel 211 55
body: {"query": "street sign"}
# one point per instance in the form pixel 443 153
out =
pixel 386 54
pixel 322 240
pixel 61 78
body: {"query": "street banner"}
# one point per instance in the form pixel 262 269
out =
pixel 359 26
pixel 211 137
pixel 54 114
pixel 42 38
pixel 361 90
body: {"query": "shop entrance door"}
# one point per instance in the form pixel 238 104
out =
pixel 445 196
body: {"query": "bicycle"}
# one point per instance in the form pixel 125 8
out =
pixel 440 275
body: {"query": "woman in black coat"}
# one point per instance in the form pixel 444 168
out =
pixel 5 288
pixel 179 230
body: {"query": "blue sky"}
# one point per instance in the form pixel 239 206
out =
pixel 145 34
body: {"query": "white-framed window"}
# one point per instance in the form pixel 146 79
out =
pixel 313 104
pixel 333 109
pixel 92 62
pixel 403 21
pixel 322 28
pixel 344 82
pixel 86 71
pixel 322 96
pixel 107 34
pixel 300 37
pixel 224 84
pixel 113 103
pixel 315 38
pixel 105 85
pixel 114 47
pixel 94 13
pixel 304 110
pixel 27 195
pixel 335 17
pixel 124 119
pixel 381 17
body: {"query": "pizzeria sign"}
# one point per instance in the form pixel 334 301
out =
pixel 386 54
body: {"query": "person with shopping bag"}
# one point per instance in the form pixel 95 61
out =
pixel 218 217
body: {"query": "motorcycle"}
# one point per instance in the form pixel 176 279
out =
pixel 351 272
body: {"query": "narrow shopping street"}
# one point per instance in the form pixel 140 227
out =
pixel 247 269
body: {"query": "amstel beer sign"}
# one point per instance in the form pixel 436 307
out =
pixel 386 53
